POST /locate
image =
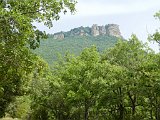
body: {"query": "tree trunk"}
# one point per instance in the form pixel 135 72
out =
pixel 86 110
pixel 121 112
pixel 121 107
pixel 133 102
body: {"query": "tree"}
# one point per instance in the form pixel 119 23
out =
pixel 150 85
pixel 75 89
pixel 17 35
pixel 156 36
pixel 122 84
pixel 139 83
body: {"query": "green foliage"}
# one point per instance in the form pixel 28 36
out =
pixel 75 89
pixel 19 108
pixel 76 31
pixel 122 84
pixel 133 56
pixel 15 66
pixel 51 48
pixel 156 36
pixel 17 34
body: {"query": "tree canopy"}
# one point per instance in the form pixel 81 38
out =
pixel 18 35
pixel 121 84
pixel 156 36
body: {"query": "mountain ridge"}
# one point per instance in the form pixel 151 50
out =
pixel 77 39
pixel 94 30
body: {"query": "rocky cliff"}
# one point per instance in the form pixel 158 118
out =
pixel 59 35
pixel 113 30
pixel 95 30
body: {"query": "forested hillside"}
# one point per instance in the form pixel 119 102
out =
pixel 123 83
pixel 50 49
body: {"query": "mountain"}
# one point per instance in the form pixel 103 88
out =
pixel 75 40
pixel 95 30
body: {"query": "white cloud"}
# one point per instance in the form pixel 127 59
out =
pixel 102 7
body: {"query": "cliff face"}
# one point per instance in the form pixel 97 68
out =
pixel 59 36
pixel 102 30
pixel 95 30
pixel 113 30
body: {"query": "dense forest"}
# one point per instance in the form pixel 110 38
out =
pixel 110 80
pixel 52 49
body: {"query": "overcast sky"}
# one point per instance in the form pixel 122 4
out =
pixel 132 16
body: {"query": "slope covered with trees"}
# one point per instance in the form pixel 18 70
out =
pixel 51 49
pixel 121 84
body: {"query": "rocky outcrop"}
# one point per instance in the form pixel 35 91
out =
pixel 113 30
pixel 82 33
pixel 102 30
pixel 95 30
pixel 59 36
pixel 76 32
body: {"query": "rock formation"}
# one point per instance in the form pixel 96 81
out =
pixel 95 30
pixel 113 30
pixel 82 33
pixel 102 30
pixel 59 36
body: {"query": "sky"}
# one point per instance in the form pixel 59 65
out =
pixel 132 16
